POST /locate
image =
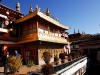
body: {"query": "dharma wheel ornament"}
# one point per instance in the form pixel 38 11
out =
pixel 6 21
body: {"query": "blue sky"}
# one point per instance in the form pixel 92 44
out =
pixel 82 15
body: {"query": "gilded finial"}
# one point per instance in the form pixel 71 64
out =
pixel 78 31
pixel 7 12
pixel 82 33
pixel 47 12
pixel 74 31
pixel 17 7
pixel 43 11
pixel 31 9
pixel 52 16
pixel 37 8
pixel 57 19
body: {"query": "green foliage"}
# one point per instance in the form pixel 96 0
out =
pixel 14 63
pixel 30 63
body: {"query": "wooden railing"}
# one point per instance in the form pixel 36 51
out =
pixel 52 38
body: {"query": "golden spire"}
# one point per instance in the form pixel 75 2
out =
pixel 78 31
pixel 74 31
pixel 47 12
pixel 43 11
pixel 82 33
pixel 17 7
pixel 37 8
pixel 31 9
pixel 57 19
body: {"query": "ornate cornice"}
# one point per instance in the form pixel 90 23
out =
pixel 7 42
pixel 51 38
pixel 10 9
pixel 52 20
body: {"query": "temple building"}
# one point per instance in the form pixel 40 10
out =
pixel 86 44
pixel 31 34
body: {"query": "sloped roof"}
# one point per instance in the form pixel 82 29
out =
pixel 10 9
pixel 42 15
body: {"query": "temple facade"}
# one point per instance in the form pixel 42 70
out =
pixel 86 44
pixel 32 34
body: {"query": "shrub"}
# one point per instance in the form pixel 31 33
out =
pixel 30 63
pixel 56 60
pixel 73 55
pixel 47 69
pixel 62 57
pixel 47 57
pixel 14 63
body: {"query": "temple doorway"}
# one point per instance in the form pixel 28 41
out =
pixel 27 55
pixel 11 50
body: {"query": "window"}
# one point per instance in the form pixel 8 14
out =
pixel 1 22
pixel 51 30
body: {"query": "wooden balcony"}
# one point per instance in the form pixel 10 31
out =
pixel 32 35
pixel 52 38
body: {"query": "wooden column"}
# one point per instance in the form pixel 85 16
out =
pixel 48 30
pixel 37 26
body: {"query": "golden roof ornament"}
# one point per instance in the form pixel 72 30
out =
pixel 37 8
pixel 82 33
pixel 43 11
pixel 7 12
pixel 52 17
pixel 78 31
pixel 57 19
pixel 17 7
pixel 31 9
pixel 74 31
pixel 47 12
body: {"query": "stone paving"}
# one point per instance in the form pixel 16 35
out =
pixel 24 69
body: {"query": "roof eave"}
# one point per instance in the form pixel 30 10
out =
pixel 48 18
